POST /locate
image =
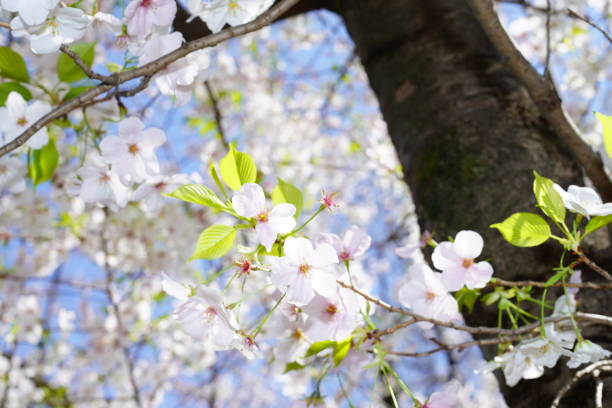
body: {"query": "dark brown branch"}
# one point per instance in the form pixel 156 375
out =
pixel 580 17
pixel 544 96
pixel 603 365
pixel 217 113
pixel 81 64
pixel 148 70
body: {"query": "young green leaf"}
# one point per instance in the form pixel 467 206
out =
pixel 214 242
pixel 319 346
pixel 7 87
pixel 596 223
pixel 554 279
pixel 237 168
pixel 341 349
pixel 43 162
pixel 67 70
pixel 292 366
pixel 524 229
pixel 215 176
pixel 198 194
pixel 12 65
pixel 287 193
pixel 606 124
pixel 467 298
pixel 549 201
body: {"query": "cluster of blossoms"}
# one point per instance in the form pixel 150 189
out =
pixel 313 306
pixel 126 160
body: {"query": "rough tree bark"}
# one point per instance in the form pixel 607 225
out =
pixel 468 137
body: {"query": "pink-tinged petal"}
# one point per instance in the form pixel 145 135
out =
pixel 324 283
pixel 165 12
pixel 330 239
pixel 585 195
pixel 300 291
pixel 324 255
pixel 130 126
pixel 446 308
pixel 282 273
pixel 244 206
pixel 265 235
pixel 150 139
pixel 478 275
pixel 173 288
pixel 255 194
pixel 298 250
pixel 453 278
pixel 283 210
pixel 281 225
pixel 112 147
pixel 575 278
pixel 444 256
pixel 468 244
pixel 603 210
pixel 16 105
pixel 356 241
pixel 94 192
pixel 37 110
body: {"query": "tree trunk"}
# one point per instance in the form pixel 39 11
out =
pixel 468 137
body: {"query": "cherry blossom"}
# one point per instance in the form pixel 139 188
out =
pixel 424 292
pixel 132 153
pixel 32 12
pixel 12 172
pixel 232 12
pixel 63 26
pixel 18 116
pixel 304 270
pixel 203 315
pixel 583 200
pixel 101 184
pixel 250 202
pixel 334 317
pixel 353 244
pixel 142 15
pixel 176 79
pixel 456 261
pixel 150 193
pixel 586 352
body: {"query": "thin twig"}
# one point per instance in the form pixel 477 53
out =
pixel 81 64
pixel 603 365
pixel 148 70
pixel 583 285
pixel 580 17
pixel 458 346
pixel 548 45
pixel 217 112
pixel 591 264
pixel 544 96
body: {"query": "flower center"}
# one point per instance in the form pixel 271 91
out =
pixel 104 178
pixel 262 217
pixel 297 334
pixel 233 6
pixel 210 313
pixel 22 121
pixel 160 185
pixel 3 169
pixel 332 309
pixel 133 148
pixel 304 269
pixel 146 3
pixel 344 256
pixel 430 296
pixel 467 263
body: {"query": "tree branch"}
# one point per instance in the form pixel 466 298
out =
pixel 147 70
pixel 544 96
pixel 603 365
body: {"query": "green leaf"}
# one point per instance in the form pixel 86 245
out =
pixel 287 193
pixel 524 229
pixel 319 346
pixel 606 124
pixel 554 279
pixel 467 298
pixel 491 298
pixel 341 349
pixel 237 169
pixel 549 201
pixel 67 70
pixel 7 87
pixel 596 223
pixel 198 194
pixel 292 366
pixel 12 65
pixel 214 242
pixel 43 162
pixel 215 176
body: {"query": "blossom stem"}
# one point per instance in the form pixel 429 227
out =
pixel 312 217
pixel 403 386
pixel 266 317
